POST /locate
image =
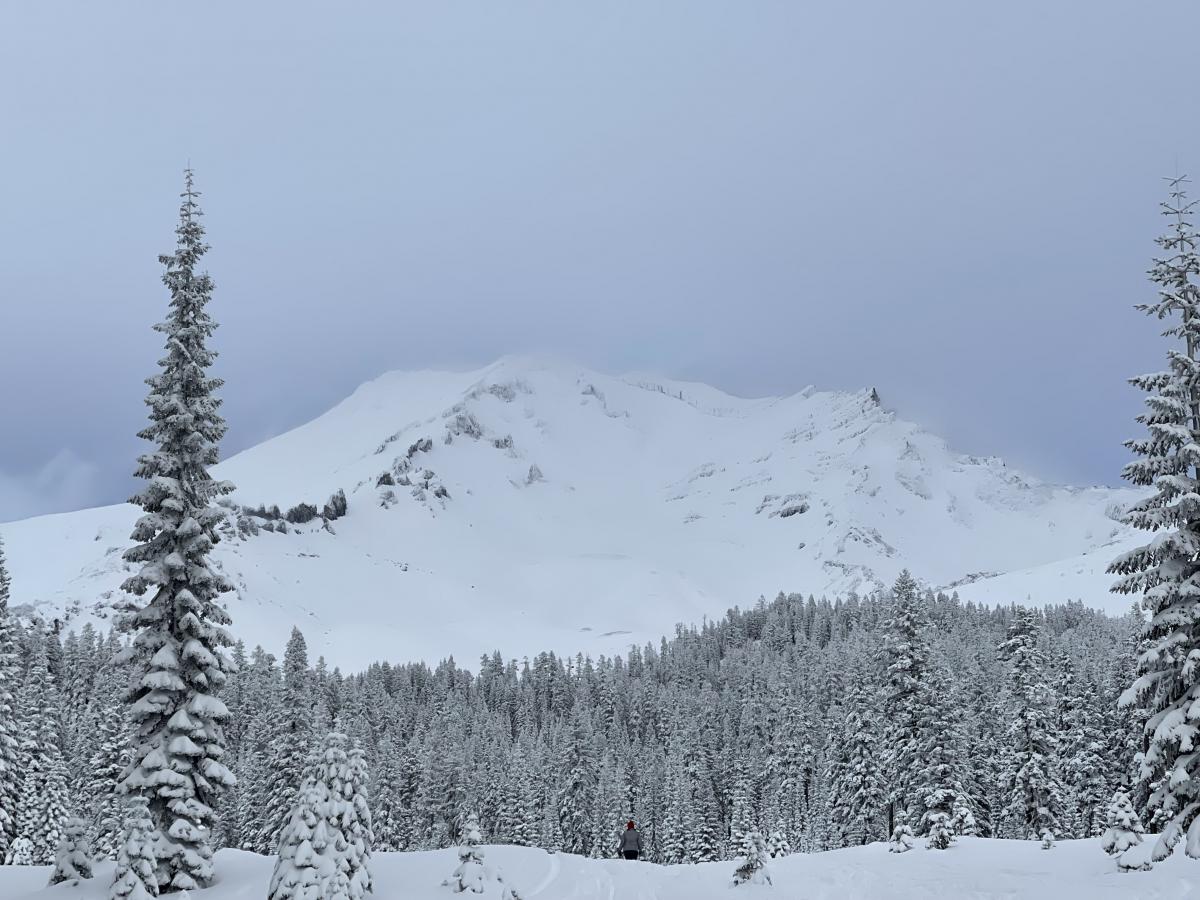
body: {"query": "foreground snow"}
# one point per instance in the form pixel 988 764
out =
pixel 973 870
pixel 574 511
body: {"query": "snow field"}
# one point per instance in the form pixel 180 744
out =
pixel 974 869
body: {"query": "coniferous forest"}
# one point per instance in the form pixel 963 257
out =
pixel 812 721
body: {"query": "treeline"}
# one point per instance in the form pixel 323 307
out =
pixel 817 723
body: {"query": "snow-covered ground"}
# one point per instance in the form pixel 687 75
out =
pixel 975 869
pixel 584 512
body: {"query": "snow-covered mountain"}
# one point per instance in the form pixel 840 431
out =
pixel 533 505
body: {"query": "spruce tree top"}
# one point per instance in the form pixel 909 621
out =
pixel 185 423
pixel 906 650
pixel 179 526
pixel 1170 455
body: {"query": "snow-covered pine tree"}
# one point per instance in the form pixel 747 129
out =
pixel 906 656
pixel 73 859
pixel 703 843
pixel 20 852
pixel 1123 725
pixel 520 809
pixel 691 823
pixel 227 831
pixel 392 818
pixel 988 752
pixel 962 822
pixel 179 634
pixel 261 685
pixel 291 743
pixel 939 830
pixel 1124 829
pixel 743 801
pixel 470 874
pixel 749 763
pixel 1089 767
pixel 607 805
pixel 778 844
pixel 324 850
pixel 1035 794
pixel 577 783
pixel 856 789
pixel 134 877
pixel 1166 571
pixel 793 753
pixel 673 843
pixel 5 578
pixel 10 774
pixel 80 700
pixel 901 840
pixel 307 861
pixel 356 823
pixel 1067 728
pixel 940 760
pixel 108 760
pixel 42 802
pixel 753 869
pixel 488 778
pixel 550 830
pixel 441 794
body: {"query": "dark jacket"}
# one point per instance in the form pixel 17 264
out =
pixel 630 840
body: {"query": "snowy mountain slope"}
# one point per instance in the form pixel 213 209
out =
pixel 975 869
pixel 533 505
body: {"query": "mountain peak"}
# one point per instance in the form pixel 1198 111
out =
pixel 534 503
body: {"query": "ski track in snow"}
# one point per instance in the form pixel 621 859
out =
pixel 551 876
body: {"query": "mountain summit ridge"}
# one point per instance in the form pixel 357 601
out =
pixel 533 504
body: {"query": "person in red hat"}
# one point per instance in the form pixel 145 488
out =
pixel 631 842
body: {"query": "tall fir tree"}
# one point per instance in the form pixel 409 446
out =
pixel 521 811
pixel 356 822
pixel 392 805
pixel 906 655
pixel 941 761
pixel 577 783
pixel 10 773
pixel 42 803
pixel 291 745
pixel 1086 770
pixel 1166 571
pixel 259 714
pixel 857 795
pixel 179 633
pixel 1034 791
pixel 107 762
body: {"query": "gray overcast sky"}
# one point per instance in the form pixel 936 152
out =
pixel 952 201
